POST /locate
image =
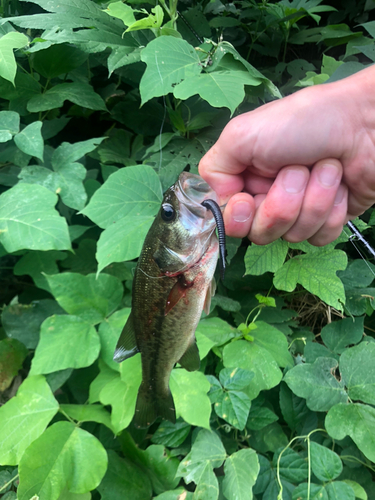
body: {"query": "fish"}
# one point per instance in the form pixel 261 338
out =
pixel 173 283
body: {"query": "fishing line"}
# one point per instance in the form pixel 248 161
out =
pixel 216 212
pixel 164 117
pixel 190 27
pixel 362 239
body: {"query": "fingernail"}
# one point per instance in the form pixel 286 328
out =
pixel 241 211
pixel 294 180
pixel 328 175
pixel 339 195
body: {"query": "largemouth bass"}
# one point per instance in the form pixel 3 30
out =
pixel 173 282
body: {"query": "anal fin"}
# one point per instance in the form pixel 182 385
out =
pixel 126 346
pixel 190 360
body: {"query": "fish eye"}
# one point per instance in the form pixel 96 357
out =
pixel 168 213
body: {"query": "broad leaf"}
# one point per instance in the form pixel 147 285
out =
pixel 189 391
pixel 358 371
pixel 50 464
pixel 338 490
pixel 124 480
pixel 81 94
pixel 169 60
pixel 315 271
pixel 310 491
pixel 30 140
pixel 123 240
pixel 23 321
pixel 37 264
pixel 357 421
pixel 12 355
pixel 27 414
pixel 325 463
pixel 339 334
pixel 87 413
pixel 39 228
pixel 9 125
pixel 218 88
pixel 90 297
pixel 131 191
pixel 171 435
pixel 241 470
pixel 291 465
pixel 249 356
pixel 260 259
pixel 8 42
pixel 109 333
pixel 206 449
pixel 316 383
pixel 65 342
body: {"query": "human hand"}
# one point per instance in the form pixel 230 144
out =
pixel 300 167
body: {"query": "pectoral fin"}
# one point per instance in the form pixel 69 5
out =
pixel 210 293
pixel 126 346
pixel 190 360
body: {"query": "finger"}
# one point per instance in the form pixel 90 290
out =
pixel 238 215
pixel 333 225
pixel 281 207
pixel 318 201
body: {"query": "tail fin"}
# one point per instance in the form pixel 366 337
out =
pixel 150 405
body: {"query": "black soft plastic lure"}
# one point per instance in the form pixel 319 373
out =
pixel 216 212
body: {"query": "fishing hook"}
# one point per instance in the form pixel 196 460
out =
pixel 216 212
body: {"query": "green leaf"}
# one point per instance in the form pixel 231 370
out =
pixel 216 330
pixel 121 393
pixel 105 376
pixel 273 341
pixel 207 449
pixel 235 379
pixel 207 485
pixel 37 264
pixel 27 414
pixel 241 470
pixel 30 140
pixel 8 42
pixel 189 391
pixel 65 342
pixel 131 191
pixel 233 406
pixel 12 356
pixel 325 463
pixel 260 417
pixel 90 297
pixel 317 384
pixel 122 56
pixel 359 491
pixel 123 240
pixel 9 125
pixel 124 480
pixel 121 11
pixel 39 228
pixel 356 420
pixel 292 466
pixel 50 463
pixel 169 60
pixel 161 468
pixel 339 334
pixel 338 490
pixel 68 176
pixel 171 435
pixel 218 88
pixel 23 321
pixel 317 492
pixel 81 94
pixel 153 20
pixel 109 333
pixel 358 371
pixel 315 271
pixel 87 413
pixel 252 357
pixel 58 60
pixel 359 274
